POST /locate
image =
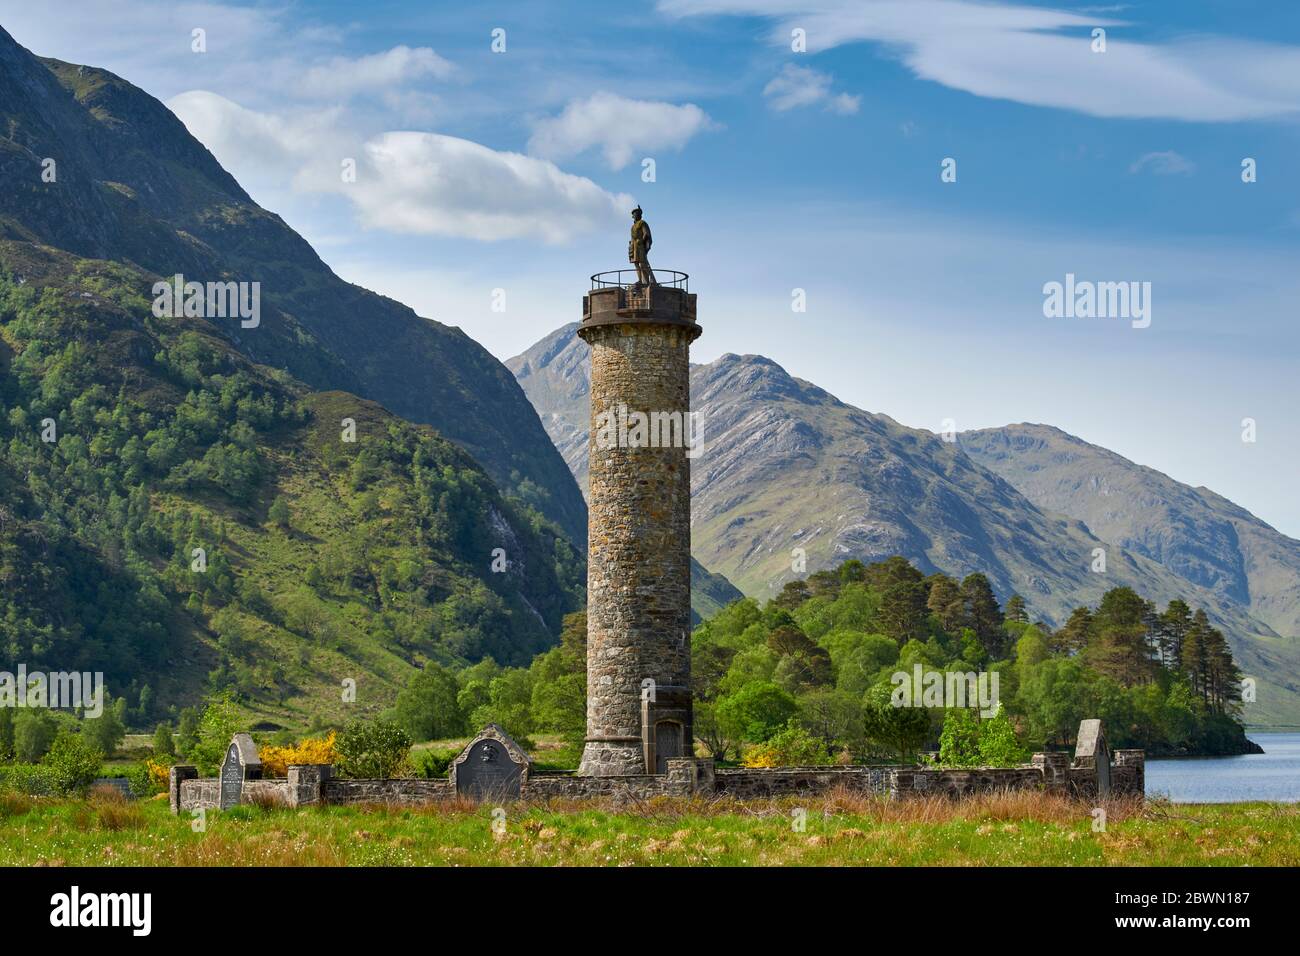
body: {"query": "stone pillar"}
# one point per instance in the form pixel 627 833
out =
pixel 638 528
pixel 1055 768
pixel 175 777
pixel 1135 774
pixel 307 783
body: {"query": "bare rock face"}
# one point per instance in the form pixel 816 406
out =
pixel 638 537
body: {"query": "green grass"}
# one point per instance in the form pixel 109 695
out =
pixel 841 829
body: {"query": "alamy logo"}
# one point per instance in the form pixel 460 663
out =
pixel 134 910
pixel 209 300
pixel 1098 300
pixel 59 690
pixel 947 689
pixel 619 428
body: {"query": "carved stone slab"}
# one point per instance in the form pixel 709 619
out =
pixel 491 767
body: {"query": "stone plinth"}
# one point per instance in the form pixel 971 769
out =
pixel 639 529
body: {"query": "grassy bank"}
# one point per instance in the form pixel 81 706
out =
pixel 841 829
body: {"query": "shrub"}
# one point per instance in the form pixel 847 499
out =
pixel 148 777
pixel 33 780
pixel 220 722
pixel 959 743
pixel 901 730
pixel 432 764
pixel 791 747
pixel 999 746
pixel 74 762
pixel 163 745
pixel 756 712
pixel 276 761
pixel 34 732
pixel 372 749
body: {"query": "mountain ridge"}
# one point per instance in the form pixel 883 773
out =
pixel 788 465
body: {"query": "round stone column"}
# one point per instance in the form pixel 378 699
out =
pixel 639 528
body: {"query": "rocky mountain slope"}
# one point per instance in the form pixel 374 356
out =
pixel 131 184
pixel 788 466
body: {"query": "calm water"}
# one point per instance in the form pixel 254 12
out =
pixel 1272 775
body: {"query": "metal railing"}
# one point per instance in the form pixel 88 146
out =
pixel 669 278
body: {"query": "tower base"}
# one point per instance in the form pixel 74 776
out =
pixel 604 758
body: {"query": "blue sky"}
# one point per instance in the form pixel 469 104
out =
pixel 817 170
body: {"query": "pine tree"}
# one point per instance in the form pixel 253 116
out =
pixel 1015 610
pixel 1074 636
pixel 1174 622
pixel 945 603
pixel 984 613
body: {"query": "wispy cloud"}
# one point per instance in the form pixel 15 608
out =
pixel 797 86
pixel 621 128
pixel 1164 163
pixel 1044 57
pixel 403 182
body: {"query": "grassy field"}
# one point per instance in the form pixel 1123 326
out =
pixel 840 830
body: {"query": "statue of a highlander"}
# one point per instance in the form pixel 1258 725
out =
pixel 638 249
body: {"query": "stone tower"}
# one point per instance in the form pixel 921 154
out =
pixel 639 525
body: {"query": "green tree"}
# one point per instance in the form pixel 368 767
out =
pixel 756 711
pixel 187 733
pixel 427 708
pixel 377 749
pixel 6 734
pixel 34 732
pixel 163 744
pixel 105 732
pixel 984 613
pixel 959 741
pixel 998 744
pixel 74 762
pixel 278 513
pixel 900 730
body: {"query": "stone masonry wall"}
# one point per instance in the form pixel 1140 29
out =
pixel 638 542
pixel 691 777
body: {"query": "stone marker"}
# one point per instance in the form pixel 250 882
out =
pixel 1092 745
pixel 241 763
pixel 491 767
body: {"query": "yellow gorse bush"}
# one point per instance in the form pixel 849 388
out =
pixel 277 760
pixel 159 775
pixel 762 756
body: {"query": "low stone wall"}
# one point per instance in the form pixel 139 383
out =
pixel 399 792
pixel 786 781
pixel 685 777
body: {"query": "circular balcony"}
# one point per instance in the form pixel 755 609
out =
pixel 625 278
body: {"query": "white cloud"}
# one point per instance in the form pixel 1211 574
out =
pixel 347 76
pixel 622 128
pixel 1043 57
pixel 406 182
pixel 797 86
pixel 1164 163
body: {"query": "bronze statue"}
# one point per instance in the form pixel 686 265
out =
pixel 638 249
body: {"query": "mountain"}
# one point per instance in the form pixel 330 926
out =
pixel 192 505
pixel 1197 534
pixel 555 374
pixel 787 465
pixel 132 185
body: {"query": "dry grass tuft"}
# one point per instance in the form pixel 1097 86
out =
pixel 14 804
pixel 109 809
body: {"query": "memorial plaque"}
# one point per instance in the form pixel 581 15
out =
pixel 232 778
pixel 492 767
pixel 488 773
